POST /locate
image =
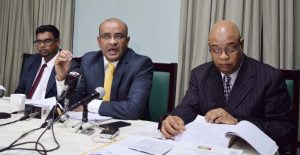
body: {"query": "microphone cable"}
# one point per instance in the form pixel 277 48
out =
pixel 20 119
pixel 43 150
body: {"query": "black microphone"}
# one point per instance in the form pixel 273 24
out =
pixel 72 80
pixel 4 115
pixel 55 112
pixel 99 93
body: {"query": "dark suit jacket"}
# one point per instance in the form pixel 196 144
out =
pixel 29 70
pixel 130 88
pixel 259 95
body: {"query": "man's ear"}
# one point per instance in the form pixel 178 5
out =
pixel 127 39
pixel 242 43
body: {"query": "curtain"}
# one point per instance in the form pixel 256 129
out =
pixel 18 21
pixel 265 25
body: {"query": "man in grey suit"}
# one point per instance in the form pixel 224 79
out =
pixel 233 87
pixel 125 75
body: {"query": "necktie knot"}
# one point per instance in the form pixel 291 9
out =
pixel 110 68
pixel 44 66
pixel 226 85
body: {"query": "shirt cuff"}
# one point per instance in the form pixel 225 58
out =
pixel 94 106
pixel 59 86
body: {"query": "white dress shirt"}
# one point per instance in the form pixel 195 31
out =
pixel 41 89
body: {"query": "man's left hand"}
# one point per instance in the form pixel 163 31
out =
pixel 219 115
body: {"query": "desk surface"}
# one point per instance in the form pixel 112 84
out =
pixel 70 141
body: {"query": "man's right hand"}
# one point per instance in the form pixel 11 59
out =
pixel 62 64
pixel 172 126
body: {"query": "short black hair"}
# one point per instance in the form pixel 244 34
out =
pixel 48 28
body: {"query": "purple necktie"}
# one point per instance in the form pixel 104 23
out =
pixel 36 82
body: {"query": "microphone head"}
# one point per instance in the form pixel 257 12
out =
pixel 101 91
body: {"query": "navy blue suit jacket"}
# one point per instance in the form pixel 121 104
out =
pixel 29 70
pixel 259 95
pixel 130 88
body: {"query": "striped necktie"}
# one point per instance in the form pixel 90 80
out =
pixel 108 81
pixel 226 85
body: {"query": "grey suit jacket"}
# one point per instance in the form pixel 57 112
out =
pixel 130 88
pixel 259 95
pixel 29 71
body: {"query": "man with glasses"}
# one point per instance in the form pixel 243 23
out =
pixel 231 88
pixel 37 80
pixel 125 76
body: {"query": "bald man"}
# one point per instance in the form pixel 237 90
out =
pixel 231 88
pixel 125 75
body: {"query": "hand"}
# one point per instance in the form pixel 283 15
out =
pixel 219 115
pixel 172 126
pixel 62 64
pixel 79 109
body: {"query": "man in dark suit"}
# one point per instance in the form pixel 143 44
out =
pixel 125 75
pixel 233 87
pixel 47 45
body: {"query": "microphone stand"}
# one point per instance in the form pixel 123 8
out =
pixel 84 119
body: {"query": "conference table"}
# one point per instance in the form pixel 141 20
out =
pixel 72 142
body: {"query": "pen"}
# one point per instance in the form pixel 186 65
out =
pixel 205 148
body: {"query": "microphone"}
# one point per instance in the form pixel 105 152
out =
pixel 72 80
pixel 4 115
pixel 99 93
pixel 31 115
pixel 54 113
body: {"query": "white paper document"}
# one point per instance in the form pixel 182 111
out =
pixel 186 148
pixel 136 145
pixel 151 146
pixel 201 132
pixel 48 102
pixel 91 116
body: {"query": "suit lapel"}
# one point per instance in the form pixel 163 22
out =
pixel 214 82
pixel 98 71
pixel 51 81
pixel 242 86
pixel 118 75
pixel 35 64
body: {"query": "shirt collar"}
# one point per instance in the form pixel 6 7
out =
pixel 234 75
pixel 106 62
pixel 51 62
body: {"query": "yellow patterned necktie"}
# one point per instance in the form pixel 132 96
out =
pixel 108 81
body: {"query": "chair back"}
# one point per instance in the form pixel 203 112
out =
pixel 162 96
pixel 25 56
pixel 292 79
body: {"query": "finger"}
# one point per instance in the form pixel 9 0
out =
pixel 65 56
pixel 220 120
pixel 213 117
pixel 165 133
pixel 181 125
pixel 172 126
pixel 207 115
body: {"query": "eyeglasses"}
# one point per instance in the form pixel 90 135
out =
pixel 118 36
pixel 47 42
pixel 228 50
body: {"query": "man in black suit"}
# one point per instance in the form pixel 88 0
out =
pixel 47 45
pixel 128 88
pixel 233 87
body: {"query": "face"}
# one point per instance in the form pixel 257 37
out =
pixel 46 45
pixel 113 40
pixel 226 51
